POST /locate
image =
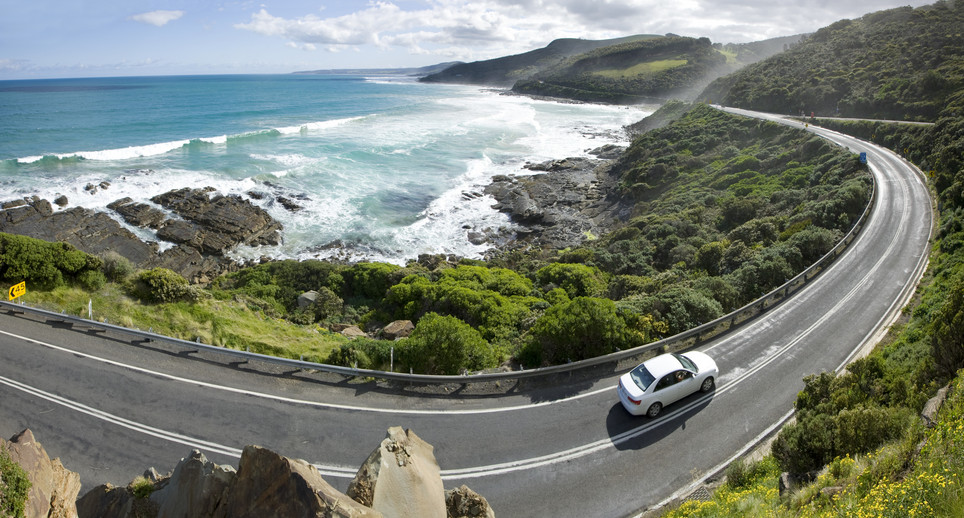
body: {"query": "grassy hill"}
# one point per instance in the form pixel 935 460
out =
pixel 505 71
pixel 856 447
pixel 900 63
pixel 633 72
pixel 641 68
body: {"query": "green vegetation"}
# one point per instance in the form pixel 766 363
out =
pixel 725 209
pixel 141 487
pixel 901 64
pixel 46 265
pixel 858 429
pixel 646 68
pixel 14 486
pixel 628 72
pixel 920 474
pixel 507 70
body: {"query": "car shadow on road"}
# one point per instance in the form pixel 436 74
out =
pixel 629 432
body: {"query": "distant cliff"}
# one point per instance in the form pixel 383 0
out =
pixel 505 71
pixel 635 69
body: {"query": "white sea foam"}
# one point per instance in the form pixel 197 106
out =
pixel 387 186
pixel 125 153
pixel 318 125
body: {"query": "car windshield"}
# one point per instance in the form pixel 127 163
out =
pixel 642 377
pixel 687 363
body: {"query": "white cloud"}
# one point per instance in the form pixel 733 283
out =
pixel 157 18
pixel 479 29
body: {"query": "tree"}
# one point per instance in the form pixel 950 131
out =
pixel 584 327
pixel 442 344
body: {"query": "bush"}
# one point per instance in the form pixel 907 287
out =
pixel 369 281
pixel 46 265
pixel 14 486
pixel 584 327
pixel 363 353
pixel 947 332
pixel 162 285
pixel 327 305
pixel 442 344
pixel 141 488
pixel 116 267
pixel 680 307
pixel 92 280
pixel 578 280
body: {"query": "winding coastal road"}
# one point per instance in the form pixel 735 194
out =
pixel 110 409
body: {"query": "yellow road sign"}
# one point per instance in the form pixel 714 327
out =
pixel 17 290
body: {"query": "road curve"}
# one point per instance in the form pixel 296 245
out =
pixel 110 409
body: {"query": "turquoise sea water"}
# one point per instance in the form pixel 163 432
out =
pixel 379 165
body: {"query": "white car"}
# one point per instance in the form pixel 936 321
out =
pixel 667 378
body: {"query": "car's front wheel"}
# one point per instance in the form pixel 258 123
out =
pixel 654 409
pixel 707 385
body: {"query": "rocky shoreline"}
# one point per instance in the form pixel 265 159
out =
pixel 559 205
pixel 564 202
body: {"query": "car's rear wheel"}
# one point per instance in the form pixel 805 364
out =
pixel 654 409
pixel 707 385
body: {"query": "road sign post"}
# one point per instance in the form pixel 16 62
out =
pixel 17 290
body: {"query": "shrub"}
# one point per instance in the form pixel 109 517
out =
pixel 116 267
pixel 582 328
pixel 363 353
pixel 680 307
pixel 14 486
pixel 369 281
pixel 141 488
pixel 327 305
pixel 162 285
pixel 46 265
pixel 578 280
pixel 741 474
pixel 947 331
pixel 92 280
pixel 442 344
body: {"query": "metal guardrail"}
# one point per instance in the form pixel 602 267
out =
pixel 620 359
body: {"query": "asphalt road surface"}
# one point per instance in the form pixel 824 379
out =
pixel 110 409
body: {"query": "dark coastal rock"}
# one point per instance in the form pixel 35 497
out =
pixel 211 226
pixel 289 204
pixel 572 200
pixel 181 232
pixel 234 220
pixel 61 201
pixel 90 231
pixel 608 152
pixel 12 204
pixel 138 214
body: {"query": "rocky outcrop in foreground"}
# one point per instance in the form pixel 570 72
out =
pixel 202 225
pixel 399 479
pixel 53 489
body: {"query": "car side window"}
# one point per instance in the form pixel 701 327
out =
pixel 682 375
pixel 666 381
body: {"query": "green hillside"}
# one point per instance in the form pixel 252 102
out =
pixel 901 64
pixel 857 447
pixel 641 68
pixel 505 71
pixel 634 72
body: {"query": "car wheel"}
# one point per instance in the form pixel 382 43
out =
pixel 707 385
pixel 654 409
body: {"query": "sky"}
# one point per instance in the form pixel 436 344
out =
pixel 102 38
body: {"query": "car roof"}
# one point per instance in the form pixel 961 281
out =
pixel 662 365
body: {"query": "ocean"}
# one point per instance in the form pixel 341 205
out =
pixel 379 166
